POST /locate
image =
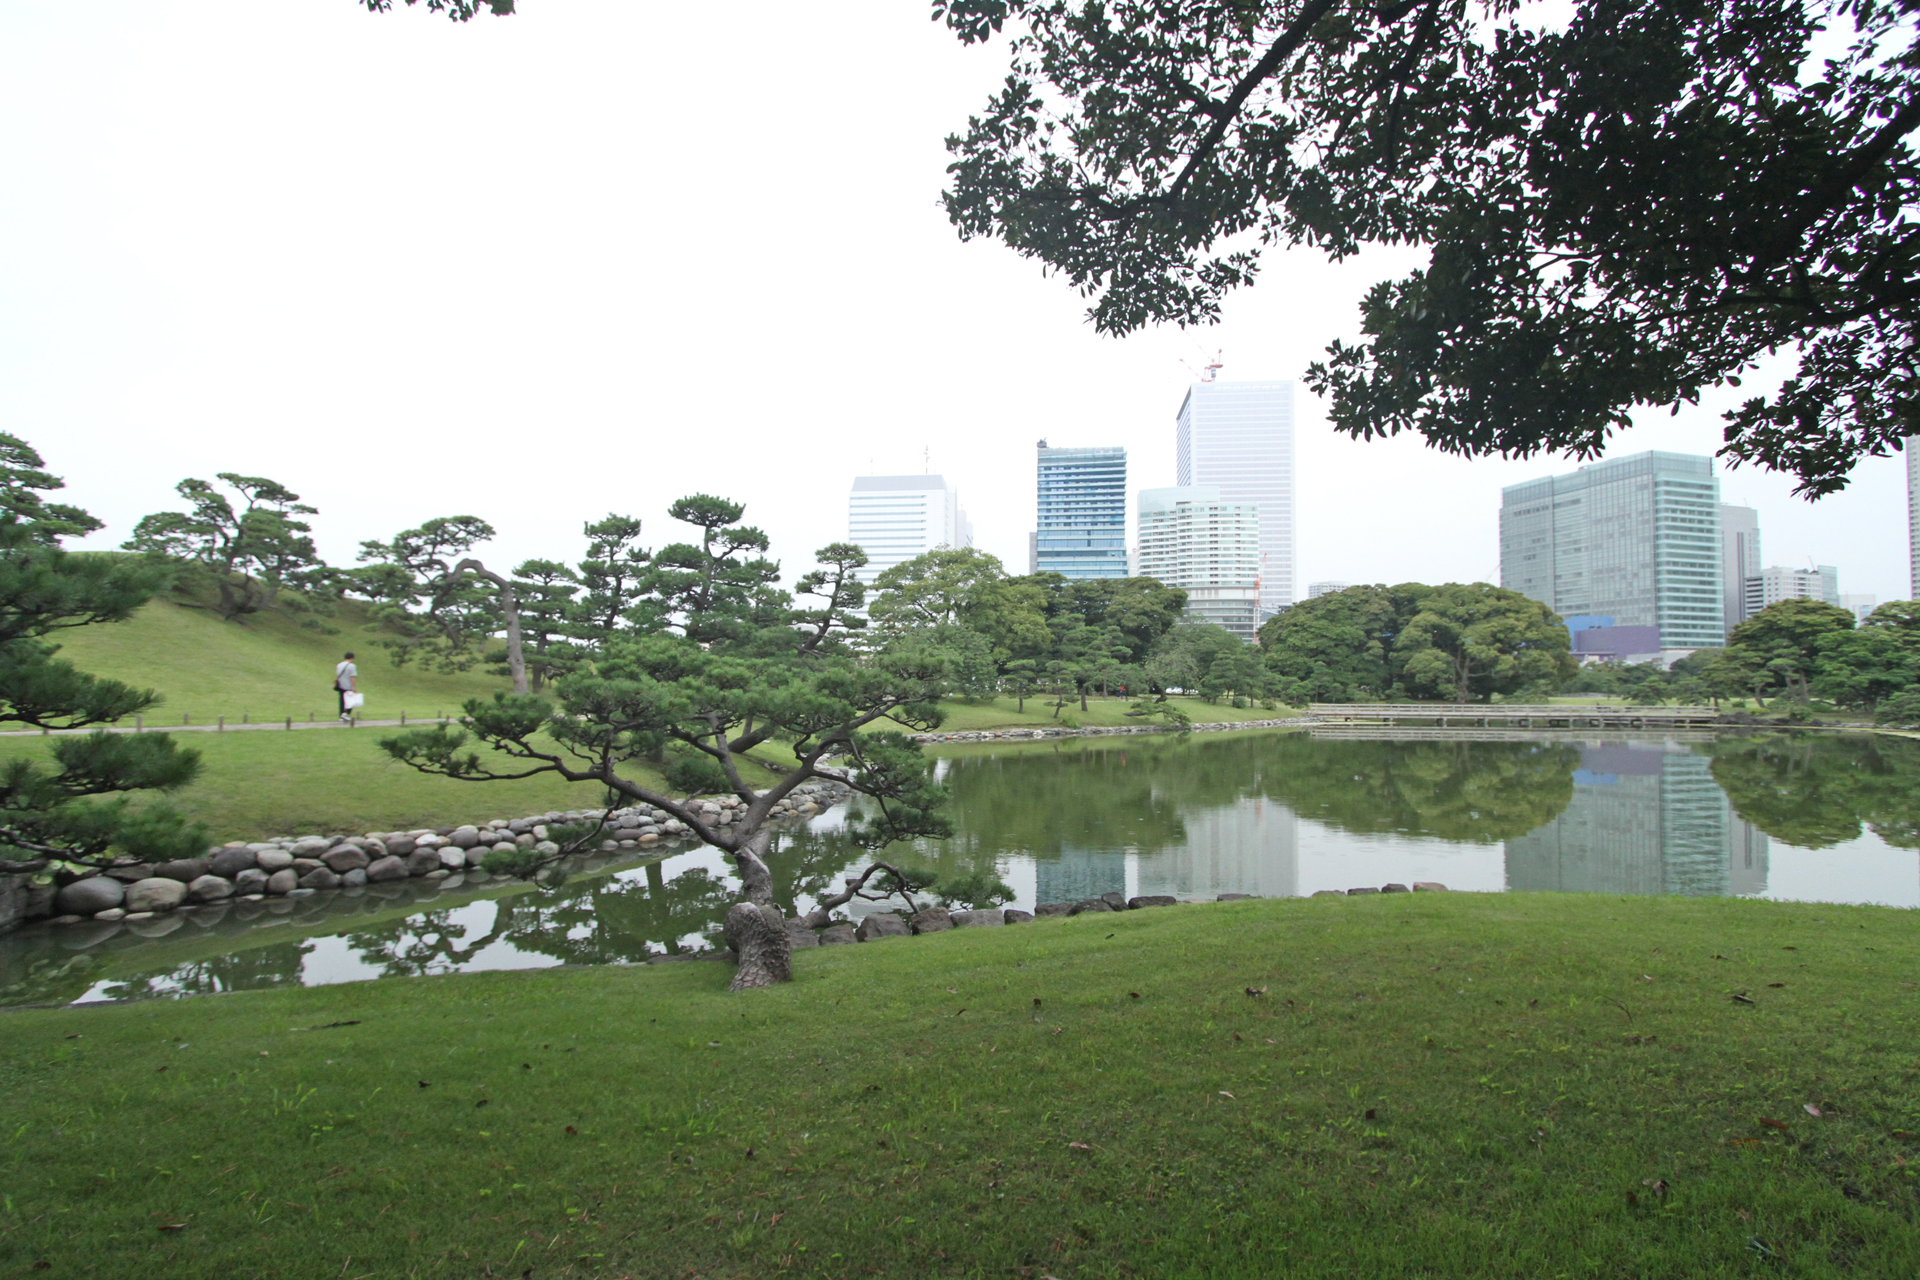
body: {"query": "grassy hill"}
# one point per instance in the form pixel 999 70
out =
pixel 266 667
pixel 1431 1085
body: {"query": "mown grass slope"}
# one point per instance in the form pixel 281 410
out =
pixel 1423 1085
pixel 266 666
pixel 259 783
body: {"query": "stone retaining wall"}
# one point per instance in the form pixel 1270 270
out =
pixel 1101 731
pixel 894 924
pixel 300 866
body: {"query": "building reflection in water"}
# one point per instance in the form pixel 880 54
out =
pixel 1247 846
pixel 1643 819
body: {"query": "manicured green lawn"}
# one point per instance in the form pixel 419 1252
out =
pixel 1003 713
pixel 1428 1085
pixel 264 782
pixel 267 667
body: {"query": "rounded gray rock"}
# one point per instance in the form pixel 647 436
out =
pixel 321 877
pixel 354 879
pixel 85 897
pixel 932 920
pixel 310 847
pixel 982 919
pixel 465 837
pixel 185 870
pixel 385 869
pixel 345 858
pixel 210 888
pixel 285 880
pixel 252 880
pixel 422 862
pixel 272 860
pixel 231 862
pixel 450 858
pixel 1091 904
pixel 156 893
pixel 401 846
pixel 881 924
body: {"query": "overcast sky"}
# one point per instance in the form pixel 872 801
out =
pixel 602 254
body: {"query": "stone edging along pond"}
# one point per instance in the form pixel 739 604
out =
pixel 893 924
pixel 303 866
pixel 1102 730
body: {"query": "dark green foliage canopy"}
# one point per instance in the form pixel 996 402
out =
pixel 1622 211
pixel 1457 642
pixel 250 544
pixel 51 813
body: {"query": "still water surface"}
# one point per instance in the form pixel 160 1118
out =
pixel 1819 818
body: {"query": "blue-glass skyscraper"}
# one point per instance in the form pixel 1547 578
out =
pixel 1082 527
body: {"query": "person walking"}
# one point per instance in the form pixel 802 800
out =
pixel 346 680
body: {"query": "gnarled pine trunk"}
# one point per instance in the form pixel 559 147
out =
pixel 755 929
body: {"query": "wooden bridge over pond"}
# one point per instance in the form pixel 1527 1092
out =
pixel 1467 715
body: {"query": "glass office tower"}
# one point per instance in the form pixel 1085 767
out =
pixel 1637 539
pixel 1081 531
pixel 1239 437
pixel 1739 560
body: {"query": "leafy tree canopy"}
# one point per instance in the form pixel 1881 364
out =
pixel 77 811
pixel 1624 210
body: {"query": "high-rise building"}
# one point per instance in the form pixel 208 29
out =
pixel 1913 515
pixel 1239 437
pixel 895 518
pixel 1739 559
pixel 1636 539
pixel 1081 531
pixel 1774 584
pixel 1317 589
pixel 1190 538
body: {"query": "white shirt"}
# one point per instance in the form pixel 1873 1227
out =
pixel 344 675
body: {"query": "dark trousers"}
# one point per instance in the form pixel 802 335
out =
pixel 343 700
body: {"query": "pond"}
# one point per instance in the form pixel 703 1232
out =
pixel 1815 817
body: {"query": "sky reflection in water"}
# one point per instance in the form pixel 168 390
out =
pixel 1812 817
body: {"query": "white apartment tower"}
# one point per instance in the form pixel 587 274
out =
pixel 1190 538
pixel 1772 585
pixel 1238 437
pixel 895 518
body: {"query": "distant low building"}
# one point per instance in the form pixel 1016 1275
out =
pixel 1772 585
pixel 1318 589
pixel 1597 639
pixel 1860 606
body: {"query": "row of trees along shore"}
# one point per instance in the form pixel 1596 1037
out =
pixel 632 664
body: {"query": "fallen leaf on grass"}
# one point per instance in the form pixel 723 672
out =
pixel 1776 984
pixel 953 991
pixel 774 1221
pixel 1746 1142
pixel 1134 994
pixel 1811 1110
pixel 1656 1185
pixel 173 1226
pixel 572 1130
pixel 75 1036
pixel 1079 1146
pixel 1256 991
pixel 481 1103
pixel 1036 1002
pixel 426 1084
pixel 1738 998
pixel 1370 1111
pixel 1225 1094
pixel 1771 1123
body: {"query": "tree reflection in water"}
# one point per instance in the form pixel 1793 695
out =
pixel 1818 790
pixel 1073 807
